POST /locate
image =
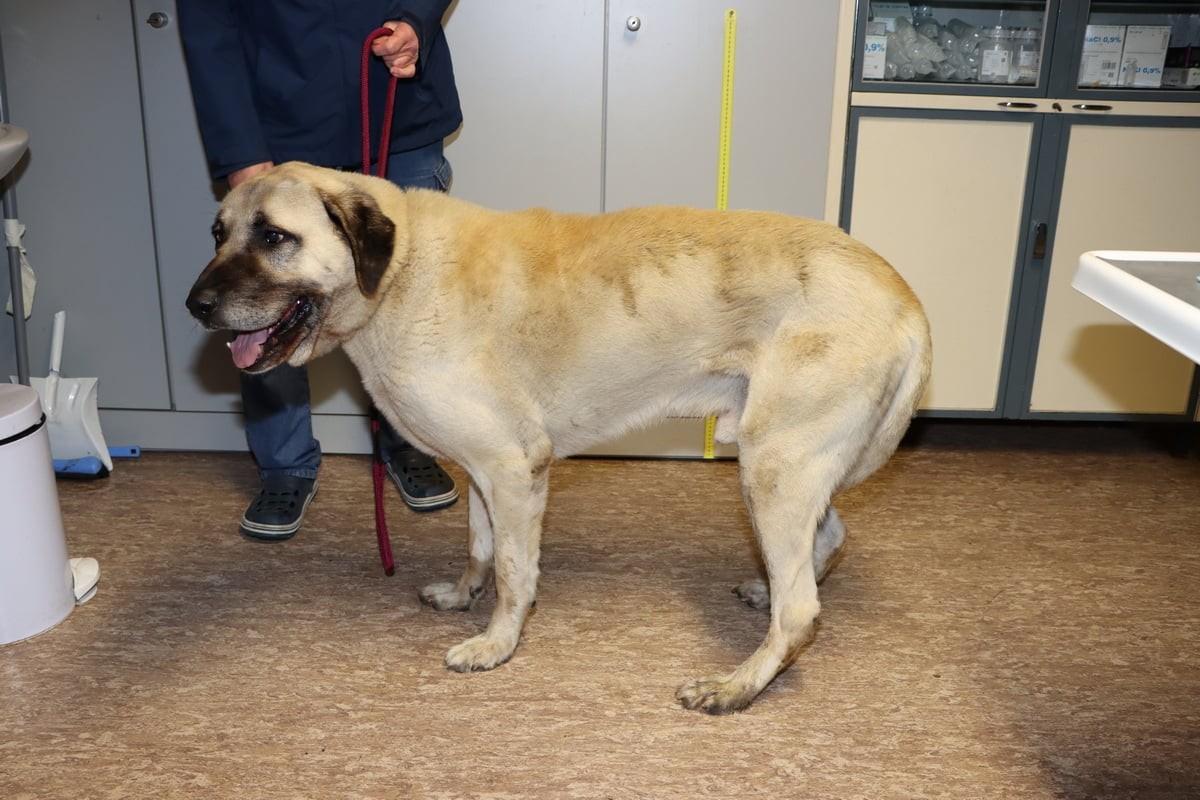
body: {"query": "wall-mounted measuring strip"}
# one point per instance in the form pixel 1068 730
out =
pixel 726 109
pixel 710 423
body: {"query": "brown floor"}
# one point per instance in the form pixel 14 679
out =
pixel 1016 616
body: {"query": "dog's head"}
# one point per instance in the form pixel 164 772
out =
pixel 292 244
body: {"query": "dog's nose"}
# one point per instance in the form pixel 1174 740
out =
pixel 202 303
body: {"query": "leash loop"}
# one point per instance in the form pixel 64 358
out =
pixel 389 107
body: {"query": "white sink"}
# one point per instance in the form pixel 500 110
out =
pixel 13 142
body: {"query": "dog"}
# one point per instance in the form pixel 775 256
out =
pixel 505 340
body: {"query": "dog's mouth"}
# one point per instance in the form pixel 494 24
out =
pixel 271 345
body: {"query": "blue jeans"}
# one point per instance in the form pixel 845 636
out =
pixel 278 412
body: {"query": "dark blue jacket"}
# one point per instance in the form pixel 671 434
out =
pixel 278 80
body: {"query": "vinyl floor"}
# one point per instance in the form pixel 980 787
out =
pixel 1017 615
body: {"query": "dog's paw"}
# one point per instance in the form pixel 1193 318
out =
pixel 715 695
pixel 477 654
pixel 448 597
pixel 754 593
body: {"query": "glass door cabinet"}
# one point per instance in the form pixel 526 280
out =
pixel 989 144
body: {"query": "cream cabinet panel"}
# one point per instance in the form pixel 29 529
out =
pixel 942 200
pixel 1124 188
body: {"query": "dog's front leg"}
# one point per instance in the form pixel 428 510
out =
pixel 515 497
pixel 461 596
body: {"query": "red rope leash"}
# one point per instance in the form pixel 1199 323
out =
pixel 381 529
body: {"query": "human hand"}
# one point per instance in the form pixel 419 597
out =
pixel 399 51
pixel 246 173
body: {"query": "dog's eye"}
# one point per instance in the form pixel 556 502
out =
pixel 274 237
pixel 218 232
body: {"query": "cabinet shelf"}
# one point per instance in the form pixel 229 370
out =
pixel 1065 48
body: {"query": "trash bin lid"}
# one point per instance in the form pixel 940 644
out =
pixel 20 410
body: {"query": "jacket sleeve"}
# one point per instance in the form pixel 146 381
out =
pixel 222 92
pixel 425 16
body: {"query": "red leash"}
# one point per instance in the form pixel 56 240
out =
pixel 381 529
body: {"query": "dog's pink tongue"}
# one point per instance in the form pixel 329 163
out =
pixel 247 347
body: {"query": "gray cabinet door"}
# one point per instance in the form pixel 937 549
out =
pixel 203 377
pixel 664 103
pixel 82 194
pixel 562 110
pixel 530 75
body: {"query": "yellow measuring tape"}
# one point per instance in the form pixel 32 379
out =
pixel 726 109
pixel 710 423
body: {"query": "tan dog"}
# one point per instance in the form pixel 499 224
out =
pixel 505 340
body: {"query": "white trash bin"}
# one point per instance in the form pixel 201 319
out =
pixel 36 583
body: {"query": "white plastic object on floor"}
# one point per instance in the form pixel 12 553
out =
pixel 85 573
pixel 71 405
pixel 36 584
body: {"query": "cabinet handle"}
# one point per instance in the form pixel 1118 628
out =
pixel 633 24
pixel 1039 241
pixel 1015 104
pixel 1091 107
pixel 158 19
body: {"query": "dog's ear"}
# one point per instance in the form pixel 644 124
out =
pixel 370 233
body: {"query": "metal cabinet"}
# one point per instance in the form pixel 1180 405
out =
pixel 1003 182
pixel 93 250
pixel 565 107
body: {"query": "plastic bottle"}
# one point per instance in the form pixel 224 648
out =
pixel 995 55
pixel 1027 56
pixel 948 42
pixel 969 36
pixel 894 56
pixel 947 71
pixel 957 26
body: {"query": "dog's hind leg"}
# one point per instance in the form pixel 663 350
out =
pixel 827 549
pixel 513 494
pixel 787 490
pixel 461 596
pixel 804 428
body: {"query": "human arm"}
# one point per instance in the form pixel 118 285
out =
pixel 221 88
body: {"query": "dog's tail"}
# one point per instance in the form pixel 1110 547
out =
pixel 911 376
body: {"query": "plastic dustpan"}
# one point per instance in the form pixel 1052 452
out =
pixel 72 414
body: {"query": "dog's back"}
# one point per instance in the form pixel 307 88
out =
pixel 664 311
